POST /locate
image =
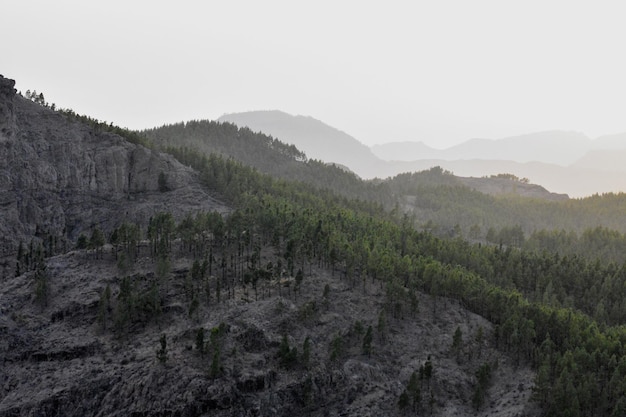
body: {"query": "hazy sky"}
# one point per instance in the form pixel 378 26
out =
pixel 434 71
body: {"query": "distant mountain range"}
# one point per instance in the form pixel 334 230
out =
pixel 563 162
pixel 554 147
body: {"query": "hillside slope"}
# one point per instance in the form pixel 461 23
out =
pixel 315 138
pixel 114 330
pixel 60 177
pixel 60 361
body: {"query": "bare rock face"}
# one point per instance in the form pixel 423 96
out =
pixel 7 116
pixel 60 177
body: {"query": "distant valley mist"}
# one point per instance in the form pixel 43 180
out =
pixel 563 162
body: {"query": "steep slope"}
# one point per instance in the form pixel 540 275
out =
pixel 60 361
pixel 262 152
pixel 60 177
pixel 316 139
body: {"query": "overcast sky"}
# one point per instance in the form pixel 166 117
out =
pixel 440 72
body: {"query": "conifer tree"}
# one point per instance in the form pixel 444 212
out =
pixel 306 353
pixel 367 341
pixel 457 342
pixel 42 289
pixel 200 340
pixel 162 351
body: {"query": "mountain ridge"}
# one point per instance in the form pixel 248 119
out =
pixel 315 138
pixel 61 178
pixel 549 158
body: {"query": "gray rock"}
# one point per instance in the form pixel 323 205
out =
pixel 60 177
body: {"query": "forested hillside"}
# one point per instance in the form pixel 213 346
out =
pixel 553 312
pixel 435 199
pixel 266 154
pixel 306 290
pixel 440 197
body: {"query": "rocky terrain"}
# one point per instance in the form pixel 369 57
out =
pixel 60 177
pixel 59 361
pixel 264 351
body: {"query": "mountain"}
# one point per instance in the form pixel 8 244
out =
pixel 555 147
pixel 293 298
pixel 200 311
pixel 405 151
pixel 556 160
pixel 575 181
pixel 610 142
pixel 60 178
pixel 603 160
pixel 316 139
pixel 559 148
pixel 445 200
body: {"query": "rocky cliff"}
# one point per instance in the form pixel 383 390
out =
pixel 60 177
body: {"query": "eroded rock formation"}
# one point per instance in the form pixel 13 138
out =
pixel 61 177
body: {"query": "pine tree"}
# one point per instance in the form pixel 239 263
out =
pixel 104 307
pixel 414 392
pixel 200 341
pixel 162 351
pixel 216 367
pixel 96 241
pixel 41 279
pixel 336 348
pixel 457 342
pixel 367 341
pixel 19 270
pixel 306 353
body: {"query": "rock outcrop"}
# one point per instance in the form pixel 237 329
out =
pixel 60 177
pixel 7 116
